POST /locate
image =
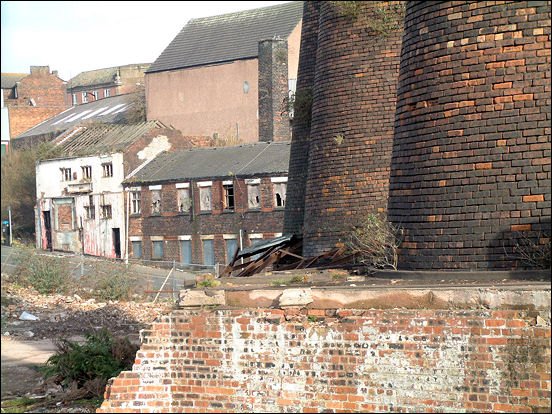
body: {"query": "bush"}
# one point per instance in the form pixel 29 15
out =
pixel 109 281
pixel 377 241
pixel 87 367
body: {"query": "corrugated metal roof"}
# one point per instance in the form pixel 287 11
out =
pixel 106 110
pixel 205 163
pixel 8 79
pixel 228 37
pixel 103 139
pixel 97 76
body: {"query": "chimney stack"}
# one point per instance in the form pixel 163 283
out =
pixel 273 90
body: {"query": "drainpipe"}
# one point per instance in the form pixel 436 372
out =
pixel 241 243
pixel 127 223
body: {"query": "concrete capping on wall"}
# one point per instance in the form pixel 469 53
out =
pixel 465 275
pixel 532 296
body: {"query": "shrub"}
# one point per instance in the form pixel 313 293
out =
pixel 87 367
pixel 377 241
pixel 109 281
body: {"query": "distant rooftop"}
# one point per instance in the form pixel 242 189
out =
pixel 99 76
pixel 9 79
pixel 260 158
pixel 228 37
pixel 108 110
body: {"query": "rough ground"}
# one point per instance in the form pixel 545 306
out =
pixel 29 343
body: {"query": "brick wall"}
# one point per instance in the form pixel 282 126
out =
pixel 299 154
pixel 471 155
pixel 48 94
pixel 353 112
pixel 266 220
pixel 348 360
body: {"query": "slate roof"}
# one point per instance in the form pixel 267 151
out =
pixel 97 76
pixel 103 139
pixel 9 79
pixel 249 160
pixel 227 37
pixel 106 110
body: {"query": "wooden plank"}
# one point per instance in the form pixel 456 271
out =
pixel 291 254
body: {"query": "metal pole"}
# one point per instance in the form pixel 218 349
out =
pixel 10 224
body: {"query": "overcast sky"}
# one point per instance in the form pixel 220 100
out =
pixel 76 36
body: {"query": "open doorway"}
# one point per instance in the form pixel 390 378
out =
pixel 47 229
pixel 117 242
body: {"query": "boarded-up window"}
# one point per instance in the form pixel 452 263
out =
pixel 65 217
pixel 231 246
pixel 205 198
pixel 186 251
pixel 137 249
pixel 184 200
pixel 208 252
pixel 155 202
pixel 157 249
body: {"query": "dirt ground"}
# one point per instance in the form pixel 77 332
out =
pixel 28 343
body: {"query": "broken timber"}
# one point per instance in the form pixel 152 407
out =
pixel 282 253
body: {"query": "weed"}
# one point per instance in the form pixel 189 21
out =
pixel 44 273
pixel 294 279
pixel 17 405
pixel 312 318
pixel 208 283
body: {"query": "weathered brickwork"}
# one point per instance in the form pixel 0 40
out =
pixel 327 360
pixel 299 155
pixel 273 90
pixel 170 224
pixel 353 112
pixel 471 156
pixel 40 95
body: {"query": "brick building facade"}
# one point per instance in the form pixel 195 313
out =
pixel 198 206
pixel 34 98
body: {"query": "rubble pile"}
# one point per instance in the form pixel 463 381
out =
pixel 30 315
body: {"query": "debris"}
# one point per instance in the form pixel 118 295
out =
pixel 282 253
pixel 28 317
pixel 28 334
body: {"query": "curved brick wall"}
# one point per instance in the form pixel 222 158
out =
pixel 352 127
pixel 299 154
pixel 471 155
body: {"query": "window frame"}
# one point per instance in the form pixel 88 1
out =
pixel 253 183
pixel 228 200
pixel 183 188
pixel 84 97
pixel 157 242
pixel 106 208
pixel 135 201
pixel 205 186
pixel 278 182
pixel 107 93
pixel 86 172
pixel 66 172
pixel 156 189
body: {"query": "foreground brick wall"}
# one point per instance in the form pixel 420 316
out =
pixel 327 360
pixel 471 156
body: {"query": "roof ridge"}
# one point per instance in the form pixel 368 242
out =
pixel 240 12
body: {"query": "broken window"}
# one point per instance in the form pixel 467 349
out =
pixel 107 169
pixel 95 95
pixel 106 211
pixel 253 193
pixel 84 97
pixel 205 195
pixel 65 174
pixel 279 185
pixel 228 190
pixel 231 247
pixel 135 205
pixel 86 172
pixel 184 200
pixel 155 201
pixel 90 209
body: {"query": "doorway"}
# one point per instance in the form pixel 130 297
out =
pixel 47 229
pixel 117 242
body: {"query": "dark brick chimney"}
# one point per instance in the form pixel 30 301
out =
pixel 273 90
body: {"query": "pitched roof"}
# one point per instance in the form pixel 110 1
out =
pixel 207 163
pixel 9 79
pixel 107 110
pixel 97 76
pixel 228 37
pixel 102 139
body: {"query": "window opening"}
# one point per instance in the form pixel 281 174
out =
pixel 106 211
pixel 90 209
pixel 65 174
pixel 107 169
pixel 205 198
pixel 157 249
pixel 253 196
pixel 87 172
pixel 280 194
pixel 135 205
pixel 137 249
pixel 184 200
pixel 228 196
pixel 155 201
pixel 84 97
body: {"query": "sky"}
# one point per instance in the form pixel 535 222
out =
pixel 77 36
